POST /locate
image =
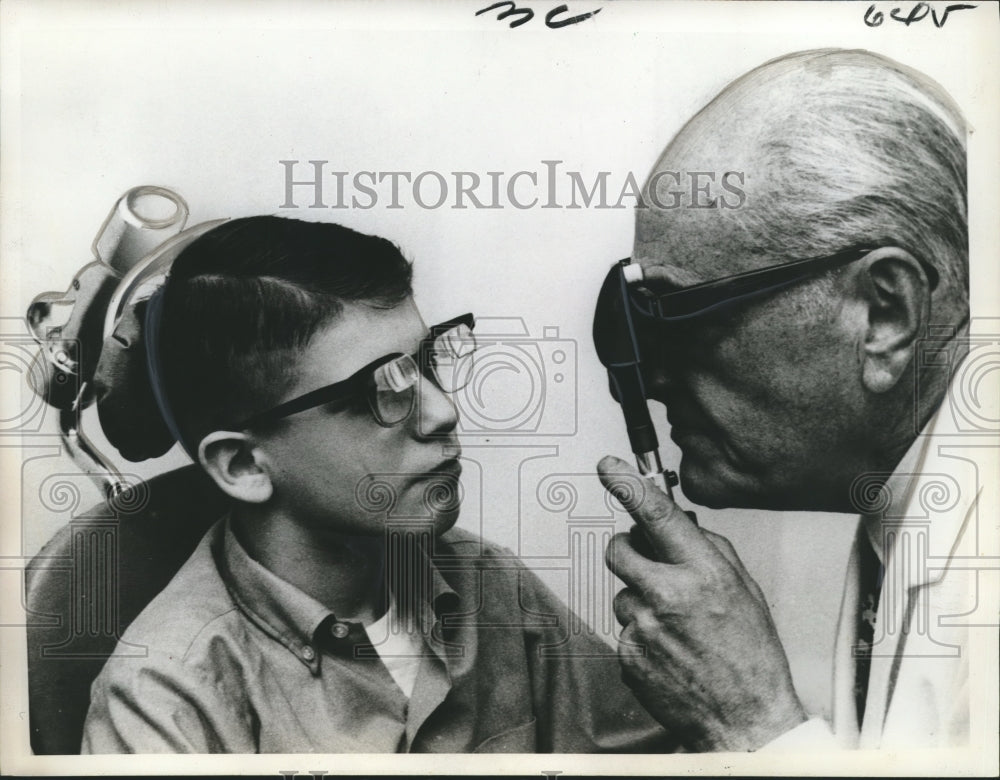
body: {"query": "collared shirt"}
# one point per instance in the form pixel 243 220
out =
pixel 231 658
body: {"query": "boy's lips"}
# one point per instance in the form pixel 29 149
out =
pixel 448 466
pixel 442 486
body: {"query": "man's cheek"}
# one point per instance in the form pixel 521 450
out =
pixel 699 470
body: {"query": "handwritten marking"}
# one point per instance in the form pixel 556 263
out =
pixel 919 12
pixel 526 15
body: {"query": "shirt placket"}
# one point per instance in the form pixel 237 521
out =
pixel 433 681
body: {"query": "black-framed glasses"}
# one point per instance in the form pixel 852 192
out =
pixel 699 299
pixel 389 383
pixel 625 294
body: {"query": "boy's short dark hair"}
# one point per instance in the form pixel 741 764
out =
pixel 243 300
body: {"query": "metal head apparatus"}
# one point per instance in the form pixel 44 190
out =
pixel 140 237
pixel 617 345
pixel 68 326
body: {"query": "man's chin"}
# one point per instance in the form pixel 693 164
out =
pixel 709 488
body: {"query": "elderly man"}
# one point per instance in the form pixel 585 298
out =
pixel 804 389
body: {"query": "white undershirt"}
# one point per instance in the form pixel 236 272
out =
pixel 399 649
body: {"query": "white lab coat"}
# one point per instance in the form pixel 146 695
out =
pixel 929 527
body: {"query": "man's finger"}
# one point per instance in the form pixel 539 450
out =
pixel 640 542
pixel 630 566
pixel 724 546
pixel 672 535
pixel 626 603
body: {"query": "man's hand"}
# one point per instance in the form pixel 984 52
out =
pixel 698 646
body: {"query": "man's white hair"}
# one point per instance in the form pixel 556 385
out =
pixel 872 153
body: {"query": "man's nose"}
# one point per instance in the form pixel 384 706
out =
pixel 436 411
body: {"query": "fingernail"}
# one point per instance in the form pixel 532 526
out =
pixel 608 463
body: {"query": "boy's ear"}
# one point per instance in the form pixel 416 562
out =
pixel 229 459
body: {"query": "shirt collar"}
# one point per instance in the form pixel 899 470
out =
pixel 291 616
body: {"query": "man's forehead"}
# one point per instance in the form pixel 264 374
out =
pixel 707 186
pixel 688 249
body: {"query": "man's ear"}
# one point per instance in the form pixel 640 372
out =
pixel 897 294
pixel 229 459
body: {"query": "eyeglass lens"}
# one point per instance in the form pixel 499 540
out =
pixel 448 363
pixel 451 358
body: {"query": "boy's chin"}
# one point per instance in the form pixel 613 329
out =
pixel 445 521
pixel 434 523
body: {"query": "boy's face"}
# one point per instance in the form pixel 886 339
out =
pixel 336 469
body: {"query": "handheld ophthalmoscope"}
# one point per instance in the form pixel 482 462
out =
pixel 617 345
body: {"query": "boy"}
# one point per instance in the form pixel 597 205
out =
pixel 334 608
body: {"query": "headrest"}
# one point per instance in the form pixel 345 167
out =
pixel 126 406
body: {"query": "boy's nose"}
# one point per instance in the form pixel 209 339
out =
pixel 436 411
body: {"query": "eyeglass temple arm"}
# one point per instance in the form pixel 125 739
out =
pixel 708 295
pixel 617 348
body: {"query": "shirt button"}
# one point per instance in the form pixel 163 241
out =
pixel 340 630
pixel 308 653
